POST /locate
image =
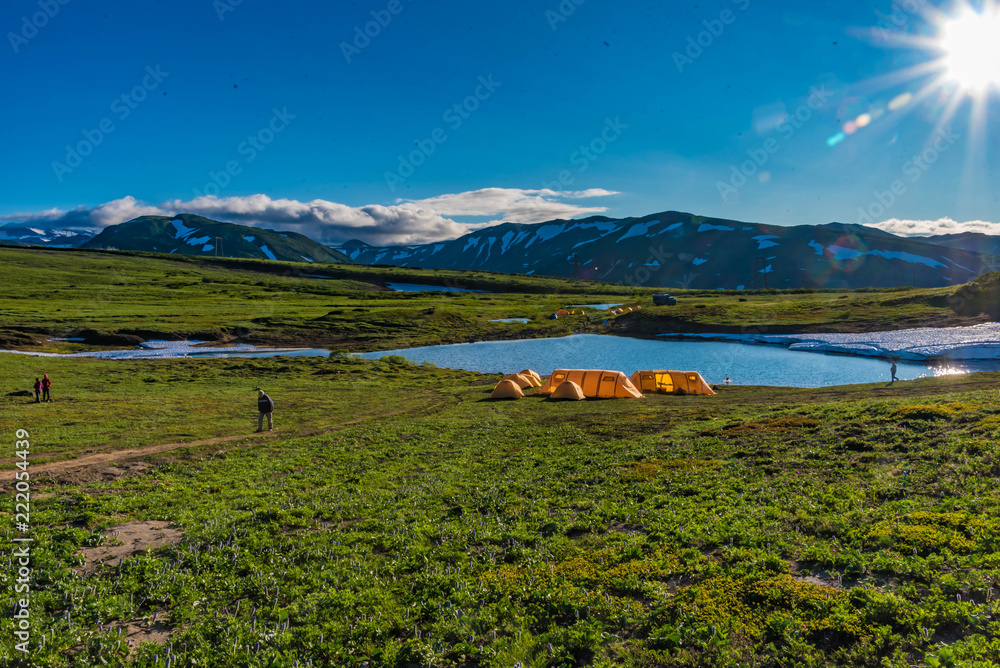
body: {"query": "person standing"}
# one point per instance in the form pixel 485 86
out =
pixel 38 391
pixel 893 371
pixel 265 407
pixel 46 384
pixel 728 381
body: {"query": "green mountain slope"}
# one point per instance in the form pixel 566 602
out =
pixel 187 234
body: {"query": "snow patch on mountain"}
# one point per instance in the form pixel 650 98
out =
pixel 267 251
pixel 182 230
pixel 764 241
pixel 841 253
pixel 705 227
pixel 636 230
pixel 908 257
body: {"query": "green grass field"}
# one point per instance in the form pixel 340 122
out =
pixel 398 518
pixel 108 297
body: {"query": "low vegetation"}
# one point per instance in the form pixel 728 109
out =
pixel 118 298
pixel 399 518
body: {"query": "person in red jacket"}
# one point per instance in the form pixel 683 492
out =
pixel 46 384
pixel 265 407
pixel 38 391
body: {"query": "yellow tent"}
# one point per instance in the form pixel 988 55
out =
pixel 595 384
pixel 671 382
pixel 506 389
pixel 528 373
pixel 520 380
pixel 569 391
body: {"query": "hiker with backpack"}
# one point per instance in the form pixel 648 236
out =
pixel 46 384
pixel 265 407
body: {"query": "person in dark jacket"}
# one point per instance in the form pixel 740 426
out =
pixel 265 407
pixel 46 384
pixel 38 391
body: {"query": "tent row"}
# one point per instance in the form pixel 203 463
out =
pixel 580 384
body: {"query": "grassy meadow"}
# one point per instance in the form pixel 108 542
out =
pixel 396 517
pixel 115 298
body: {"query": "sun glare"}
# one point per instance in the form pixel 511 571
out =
pixel 971 43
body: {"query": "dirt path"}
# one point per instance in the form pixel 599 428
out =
pixel 101 458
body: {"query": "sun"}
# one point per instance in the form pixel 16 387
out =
pixel 971 45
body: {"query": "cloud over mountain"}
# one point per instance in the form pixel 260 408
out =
pixel 405 222
pixel 927 228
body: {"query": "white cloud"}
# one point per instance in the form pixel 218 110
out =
pixel 406 222
pixel 926 228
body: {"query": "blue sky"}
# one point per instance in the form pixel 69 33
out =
pixel 292 115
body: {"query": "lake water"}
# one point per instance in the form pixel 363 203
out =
pixel 743 363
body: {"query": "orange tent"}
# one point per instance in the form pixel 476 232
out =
pixel 671 382
pixel 561 312
pixel 595 384
pixel 531 374
pixel 506 389
pixel 569 391
pixel 522 381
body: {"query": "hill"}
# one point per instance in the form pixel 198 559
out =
pixel 683 250
pixel 187 234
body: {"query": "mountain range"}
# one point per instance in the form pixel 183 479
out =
pixel 685 250
pixel 670 249
pixel 29 234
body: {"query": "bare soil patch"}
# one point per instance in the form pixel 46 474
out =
pixel 135 537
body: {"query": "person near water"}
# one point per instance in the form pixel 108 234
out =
pixel 38 391
pixel 265 407
pixel 728 381
pixel 46 384
pixel 893 371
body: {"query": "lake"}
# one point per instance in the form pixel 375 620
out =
pixel 743 363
